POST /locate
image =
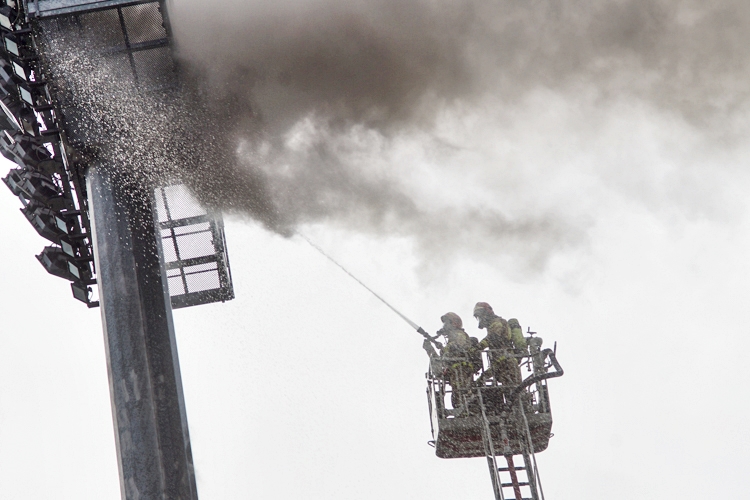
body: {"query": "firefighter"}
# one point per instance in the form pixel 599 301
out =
pixel 516 333
pixel 504 342
pixel 458 357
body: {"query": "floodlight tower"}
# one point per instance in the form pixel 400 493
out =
pixel 147 245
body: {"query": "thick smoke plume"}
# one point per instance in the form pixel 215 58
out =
pixel 390 63
pixel 497 128
pixel 383 114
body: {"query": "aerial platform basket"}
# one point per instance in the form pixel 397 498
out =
pixel 462 437
pixel 518 417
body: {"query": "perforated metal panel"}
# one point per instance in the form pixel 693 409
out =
pixel 49 8
pixel 193 248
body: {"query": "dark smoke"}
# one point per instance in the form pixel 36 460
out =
pixel 329 86
pixel 390 63
pixel 427 118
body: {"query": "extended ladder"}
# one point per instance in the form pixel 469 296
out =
pixel 528 487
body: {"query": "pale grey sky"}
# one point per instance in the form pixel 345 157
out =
pixel 625 239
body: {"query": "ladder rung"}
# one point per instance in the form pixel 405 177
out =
pixel 505 469
pixel 508 485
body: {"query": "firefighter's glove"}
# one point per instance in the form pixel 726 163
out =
pixel 427 346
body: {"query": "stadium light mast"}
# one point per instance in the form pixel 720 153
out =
pixel 105 229
pixel 153 443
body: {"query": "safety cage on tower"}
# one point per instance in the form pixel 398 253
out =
pixel 477 411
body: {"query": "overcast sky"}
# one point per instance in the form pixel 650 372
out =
pixel 604 204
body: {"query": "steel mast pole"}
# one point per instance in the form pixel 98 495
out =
pixel 148 408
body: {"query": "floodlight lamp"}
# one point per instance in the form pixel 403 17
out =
pixel 8 88
pixel 55 262
pixel 31 149
pixel 12 46
pixel 4 122
pixel 68 247
pixel 8 150
pixel 74 269
pixel 62 224
pixel 6 141
pixel 18 44
pixel 49 224
pixel 22 118
pixel 60 264
pixel 12 108
pixel 31 92
pixel 14 181
pixel 29 123
pixel 23 70
pixel 83 293
pixel 27 94
pixel 6 71
pixel 8 17
pixel 7 153
pixel 40 187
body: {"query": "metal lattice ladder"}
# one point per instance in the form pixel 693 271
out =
pixel 507 478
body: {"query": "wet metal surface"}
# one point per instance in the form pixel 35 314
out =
pixel 154 455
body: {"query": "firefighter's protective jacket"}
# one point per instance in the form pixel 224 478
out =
pixel 500 337
pixel 504 343
pixel 459 355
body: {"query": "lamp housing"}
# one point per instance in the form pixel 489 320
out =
pixel 50 224
pixel 9 17
pixel 29 123
pixel 62 265
pixel 31 149
pixel 23 70
pixel 6 71
pixel 8 87
pixel 33 185
pixel 14 181
pixel 83 293
pixel 20 117
pixel 19 44
pixel 12 108
pixel 32 94
pixel 5 122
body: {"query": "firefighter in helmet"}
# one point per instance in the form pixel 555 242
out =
pixel 504 342
pixel 458 358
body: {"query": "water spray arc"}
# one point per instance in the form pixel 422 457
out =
pixel 478 411
pixel 412 324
